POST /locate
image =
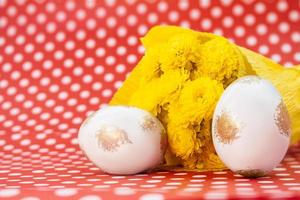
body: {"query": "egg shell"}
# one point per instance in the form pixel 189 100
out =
pixel 251 127
pixel 123 140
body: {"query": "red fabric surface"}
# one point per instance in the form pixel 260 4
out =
pixel 62 60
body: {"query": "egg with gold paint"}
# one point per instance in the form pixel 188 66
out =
pixel 251 127
pixel 123 140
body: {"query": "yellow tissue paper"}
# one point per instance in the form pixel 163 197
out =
pixel 180 79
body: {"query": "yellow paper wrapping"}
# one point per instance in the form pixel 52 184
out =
pixel 180 79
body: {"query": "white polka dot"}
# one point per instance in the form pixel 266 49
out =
pixel 205 3
pixel 94 101
pixel 3 83
pixel 36 110
pixel 111 22
pixel 141 49
pixel 120 68
pixel 84 94
pixel 6 67
pixel 100 12
pixel 110 60
pixel 89 61
pixel 173 16
pixel 79 53
pixel 68 115
pixel 11 91
pixel 87 78
pixel 18 57
pixel 152 18
pixel 121 50
pixel 2 40
pixel 90 197
pixel 251 41
pixel 54 88
pixel 121 31
pixel 11 11
pixel 40 38
pixel 284 27
pixel 131 59
pixel 261 29
pixel 260 7
pixel 90 43
pixel 28 104
pixel 216 12
pixel 45 81
pixel 60 36
pixel 41 18
pixel 75 87
pixel 77 71
pixel 11 31
pixel 195 14
pixel 38 56
pixel 9 49
pixel 118 84
pixel 49 103
pixel 121 11
pixel 50 27
pixel 81 108
pixel 16 136
pixel 239 31
pixel 3 22
pixel 131 20
pixel 80 35
pixel 71 25
pixel 61 16
pixel 31 197
pixel 141 8
pixel 249 19
pixel 6 105
pixel 65 192
pixel 274 38
pixel 49 46
pixel 296 37
pixel 206 24
pixel 227 21
pixel 111 42
pixel 286 48
pixel 5 193
pixel 108 77
pixel 25 142
pixel 183 5
pixel 272 17
pixel 162 6
pixel 80 14
pixel 282 6
pixel 58 109
pixel 297 56
pixel 132 40
pixel 100 52
pixel 63 95
pixel 263 49
pixel 294 15
pixel 91 24
pixel 20 40
pixel 106 93
pixel 152 197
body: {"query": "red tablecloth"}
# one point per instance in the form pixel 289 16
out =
pixel 61 60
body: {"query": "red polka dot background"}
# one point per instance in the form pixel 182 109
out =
pixel 62 60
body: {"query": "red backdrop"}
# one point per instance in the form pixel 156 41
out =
pixel 62 60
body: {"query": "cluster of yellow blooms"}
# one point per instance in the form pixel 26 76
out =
pixel 180 79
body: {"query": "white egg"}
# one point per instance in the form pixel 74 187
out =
pixel 123 140
pixel 251 127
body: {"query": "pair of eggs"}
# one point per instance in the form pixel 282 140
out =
pixel 250 132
